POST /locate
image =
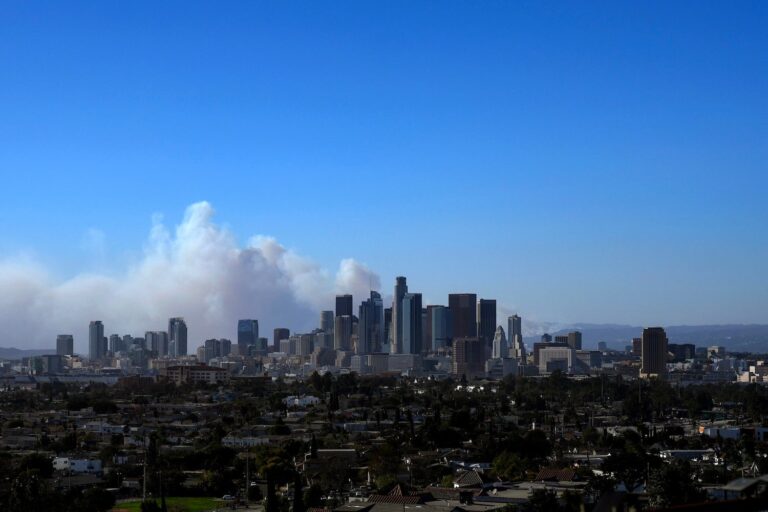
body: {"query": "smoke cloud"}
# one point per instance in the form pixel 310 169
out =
pixel 198 271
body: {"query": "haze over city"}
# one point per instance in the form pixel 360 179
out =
pixel 575 164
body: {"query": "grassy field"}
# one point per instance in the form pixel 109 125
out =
pixel 180 504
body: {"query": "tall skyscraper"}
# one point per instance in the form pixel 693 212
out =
pixel 280 334
pixel 95 340
pixel 326 321
pixel 115 343
pixel 427 325
pixel 546 338
pixel 344 305
pixel 177 336
pixel 515 331
pixel 342 332
pixel 500 349
pixel 370 328
pixel 654 353
pixel 463 308
pixel 401 288
pixel 247 334
pixel 486 322
pixel 157 341
pixel 65 345
pixel 412 327
pixel 387 329
pixel 441 327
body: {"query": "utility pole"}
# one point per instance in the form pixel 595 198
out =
pixel 144 482
pixel 247 476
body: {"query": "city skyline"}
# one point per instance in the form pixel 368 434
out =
pixel 183 253
pixel 574 163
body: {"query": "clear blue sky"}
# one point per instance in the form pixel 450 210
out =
pixel 603 162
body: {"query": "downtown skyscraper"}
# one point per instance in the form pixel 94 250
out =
pixel 654 353
pixel 463 308
pixel 96 349
pixel 486 322
pixel 247 335
pixel 370 327
pixel 401 288
pixel 412 339
pixel 65 345
pixel 515 337
pixel 177 337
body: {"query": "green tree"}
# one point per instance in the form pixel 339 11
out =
pixel 508 466
pixel 672 484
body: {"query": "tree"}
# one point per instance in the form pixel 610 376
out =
pixel 508 466
pixel 272 503
pixel 671 484
pixel 150 506
pixel 313 496
pixel 95 499
pixel 37 462
pixel 27 492
pixel 298 498
pixel 626 467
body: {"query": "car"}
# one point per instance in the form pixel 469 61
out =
pixel 228 497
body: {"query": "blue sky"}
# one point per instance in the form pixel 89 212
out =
pixel 601 162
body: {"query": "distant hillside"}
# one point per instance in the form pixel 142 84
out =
pixel 15 353
pixel 737 338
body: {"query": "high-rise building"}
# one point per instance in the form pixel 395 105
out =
pixel 468 357
pixel 441 327
pixel 412 327
pixel 654 353
pixel 427 326
pixel 326 321
pixel 65 345
pixel 95 340
pixel 261 348
pixel 515 331
pixel 344 305
pixel 401 288
pixel 115 343
pixel 212 349
pixel 225 347
pixel 370 328
pixel 342 332
pixel 682 352
pixel 546 338
pixel 486 322
pixel 279 334
pixel 574 340
pixel 500 349
pixel 304 345
pixel 157 342
pixel 386 344
pixel 463 314
pixel 515 326
pixel 247 334
pixel 637 347
pixel 177 335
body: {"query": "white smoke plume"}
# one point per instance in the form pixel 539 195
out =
pixel 198 272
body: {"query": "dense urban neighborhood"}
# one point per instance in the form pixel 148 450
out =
pixel 357 443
